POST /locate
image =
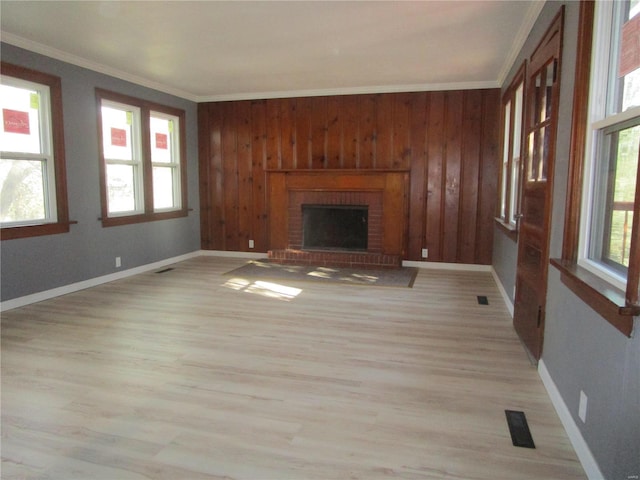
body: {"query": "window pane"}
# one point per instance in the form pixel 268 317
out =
pixel 505 159
pixel 117 139
pixel 517 122
pixel 515 174
pixel 614 196
pixel 22 191
pixel 619 240
pixel 624 76
pixel 20 120
pixel 163 182
pixel 515 161
pixel 161 140
pixel 121 188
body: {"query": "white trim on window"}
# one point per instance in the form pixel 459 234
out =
pixel 45 156
pixel 605 47
pixel 136 164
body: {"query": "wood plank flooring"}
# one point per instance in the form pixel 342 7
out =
pixel 190 374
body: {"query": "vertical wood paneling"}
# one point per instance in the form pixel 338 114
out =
pixel 230 176
pixel 304 110
pixel 245 177
pixel 275 134
pixel 350 129
pixel 489 167
pixel 446 140
pixel 417 196
pixel 216 192
pixel 367 131
pixel 258 162
pixel 217 205
pixel 334 133
pixel 401 130
pixel 204 174
pixel 435 179
pixel 469 176
pixel 318 132
pixel 288 138
pixel 453 157
pixel 384 131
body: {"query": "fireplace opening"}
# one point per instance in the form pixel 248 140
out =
pixel 335 227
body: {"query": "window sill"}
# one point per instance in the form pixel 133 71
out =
pixel 509 229
pixel 606 300
pixel 11 233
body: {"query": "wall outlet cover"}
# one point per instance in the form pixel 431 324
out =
pixel 582 407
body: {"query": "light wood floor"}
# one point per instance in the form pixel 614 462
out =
pixel 190 374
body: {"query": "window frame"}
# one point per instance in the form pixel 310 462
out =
pixel 509 220
pixel 617 306
pixel 56 182
pixel 176 145
pixel 146 213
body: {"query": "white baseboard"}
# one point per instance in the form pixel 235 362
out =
pixel 503 292
pixel 577 440
pixel 92 282
pixel 461 267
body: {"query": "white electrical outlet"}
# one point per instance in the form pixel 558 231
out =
pixel 582 407
pixel 118 262
pixel 251 243
pixel 425 253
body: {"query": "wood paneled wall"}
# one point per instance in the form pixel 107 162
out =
pixel 448 140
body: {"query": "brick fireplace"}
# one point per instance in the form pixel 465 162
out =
pixel 382 192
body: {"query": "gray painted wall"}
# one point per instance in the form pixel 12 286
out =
pixel 582 351
pixel 41 263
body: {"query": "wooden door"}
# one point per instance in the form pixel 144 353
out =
pixel 543 88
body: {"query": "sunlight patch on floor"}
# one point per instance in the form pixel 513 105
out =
pixel 367 278
pixel 265 289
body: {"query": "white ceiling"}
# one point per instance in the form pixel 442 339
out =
pixel 209 50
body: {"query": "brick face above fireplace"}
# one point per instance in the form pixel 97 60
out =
pixel 383 192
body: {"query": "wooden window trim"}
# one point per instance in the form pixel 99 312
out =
pixel 61 225
pixel 509 96
pixel 149 215
pixel 616 306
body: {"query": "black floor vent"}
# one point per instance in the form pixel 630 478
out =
pixel 519 429
pixel 482 300
pixel 165 270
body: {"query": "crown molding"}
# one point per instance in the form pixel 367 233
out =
pixel 47 51
pixel 39 48
pixel 523 33
pixel 320 92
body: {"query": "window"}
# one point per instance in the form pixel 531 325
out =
pixel 142 167
pixel 612 148
pixel 33 196
pixel 510 176
pixel 601 249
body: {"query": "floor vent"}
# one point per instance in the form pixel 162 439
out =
pixel 164 270
pixel 482 300
pixel 519 429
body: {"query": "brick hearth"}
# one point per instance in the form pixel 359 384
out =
pixel 335 259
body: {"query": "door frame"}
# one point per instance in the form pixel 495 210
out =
pixel 548 50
